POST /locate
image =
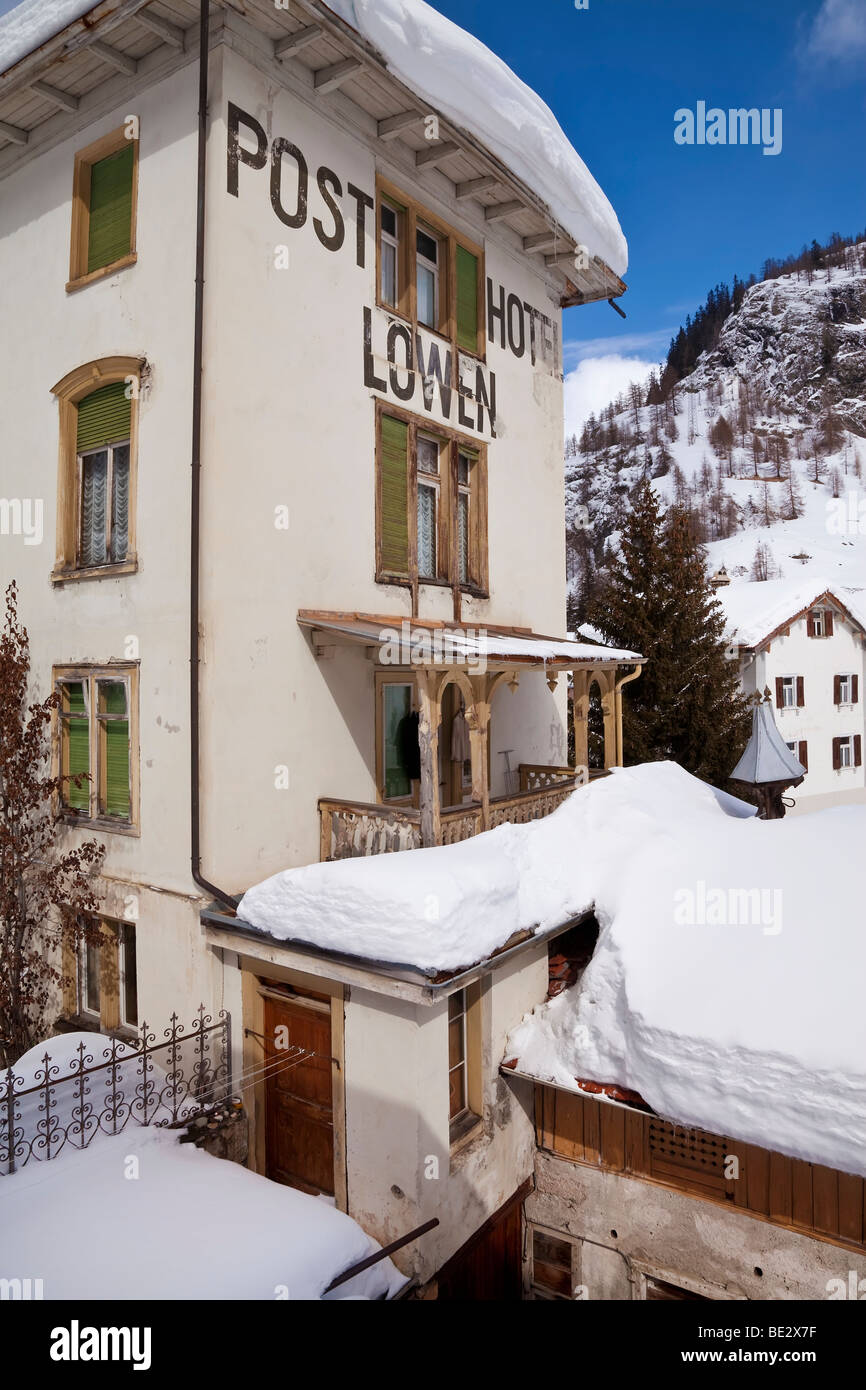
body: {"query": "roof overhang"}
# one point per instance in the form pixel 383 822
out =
pixel 781 629
pixel 84 69
pixel 381 977
pixel 394 640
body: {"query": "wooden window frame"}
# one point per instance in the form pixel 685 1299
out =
pixel 111 1017
pixel 107 145
pixel 395 676
pixel 414 213
pixel 69 391
pixel 464 1126
pixel 447 528
pixel 128 672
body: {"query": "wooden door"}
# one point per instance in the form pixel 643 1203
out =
pixel 488 1268
pixel 299 1112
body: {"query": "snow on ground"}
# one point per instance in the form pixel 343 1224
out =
pixel 750 1028
pixel 34 23
pixel 754 610
pixel 176 1223
pixel 476 90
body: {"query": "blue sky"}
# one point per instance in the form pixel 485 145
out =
pixel 615 73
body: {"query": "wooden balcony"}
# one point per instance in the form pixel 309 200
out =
pixel 353 829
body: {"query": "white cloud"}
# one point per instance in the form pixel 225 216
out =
pixel 839 30
pixel 596 381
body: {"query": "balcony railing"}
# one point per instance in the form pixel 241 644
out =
pixel 354 829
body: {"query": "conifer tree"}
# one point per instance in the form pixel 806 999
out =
pixel 658 601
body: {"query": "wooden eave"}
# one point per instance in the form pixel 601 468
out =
pixel 76 70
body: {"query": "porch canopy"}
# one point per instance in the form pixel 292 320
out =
pixel 478 660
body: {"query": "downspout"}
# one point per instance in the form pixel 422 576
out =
pixel 617 695
pixel 195 506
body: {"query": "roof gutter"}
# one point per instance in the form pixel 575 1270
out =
pixel 221 894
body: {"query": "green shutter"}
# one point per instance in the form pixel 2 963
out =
pixel 77 759
pixel 103 417
pixel 110 224
pixel 467 300
pixel 112 700
pixel 394 484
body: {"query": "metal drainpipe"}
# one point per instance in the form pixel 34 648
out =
pixel 195 508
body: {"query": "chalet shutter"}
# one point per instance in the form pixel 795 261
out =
pixel 467 300
pixel 858 750
pixel 116 749
pixel 110 223
pixel 837 690
pixel 393 496
pixel 837 755
pixel 103 417
pixel 810 626
pixel 828 623
pixel 77 733
pixel 780 693
pixel 855 690
pixel 800 693
pixel 803 754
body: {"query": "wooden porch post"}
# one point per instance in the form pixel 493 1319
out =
pixel 478 720
pixel 607 681
pixel 429 715
pixel 580 716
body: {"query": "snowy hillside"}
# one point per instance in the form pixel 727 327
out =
pixel 764 440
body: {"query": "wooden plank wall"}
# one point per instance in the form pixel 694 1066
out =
pixel 789 1192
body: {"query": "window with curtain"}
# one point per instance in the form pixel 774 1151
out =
pixel 431 487
pixel 102 447
pixel 95 743
pixel 105 990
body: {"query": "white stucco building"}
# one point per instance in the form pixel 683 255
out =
pixel 342 305
pixel 806 644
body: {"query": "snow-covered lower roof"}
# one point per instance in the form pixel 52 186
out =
pixel 429 642
pixel 194 1226
pixel 755 611
pixel 726 985
pixel 452 906
pixel 767 757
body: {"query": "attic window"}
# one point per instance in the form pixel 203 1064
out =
pixel 820 623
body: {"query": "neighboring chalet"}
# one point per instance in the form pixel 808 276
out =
pixel 806 642
pixel 338 298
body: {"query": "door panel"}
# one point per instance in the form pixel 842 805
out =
pixel 299 1114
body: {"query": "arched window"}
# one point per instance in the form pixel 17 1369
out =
pixel 98 451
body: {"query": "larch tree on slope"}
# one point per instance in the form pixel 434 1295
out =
pixel 658 600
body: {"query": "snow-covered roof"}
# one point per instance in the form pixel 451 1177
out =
pixel 475 89
pixel 767 757
pixel 437 642
pixel 726 984
pixel 33 22
pixel 197 1226
pixel 460 78
pixel 755 611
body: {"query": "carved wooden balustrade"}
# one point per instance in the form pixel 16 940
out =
pixel 353 829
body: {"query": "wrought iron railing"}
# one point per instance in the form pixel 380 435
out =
pixel 143 1081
